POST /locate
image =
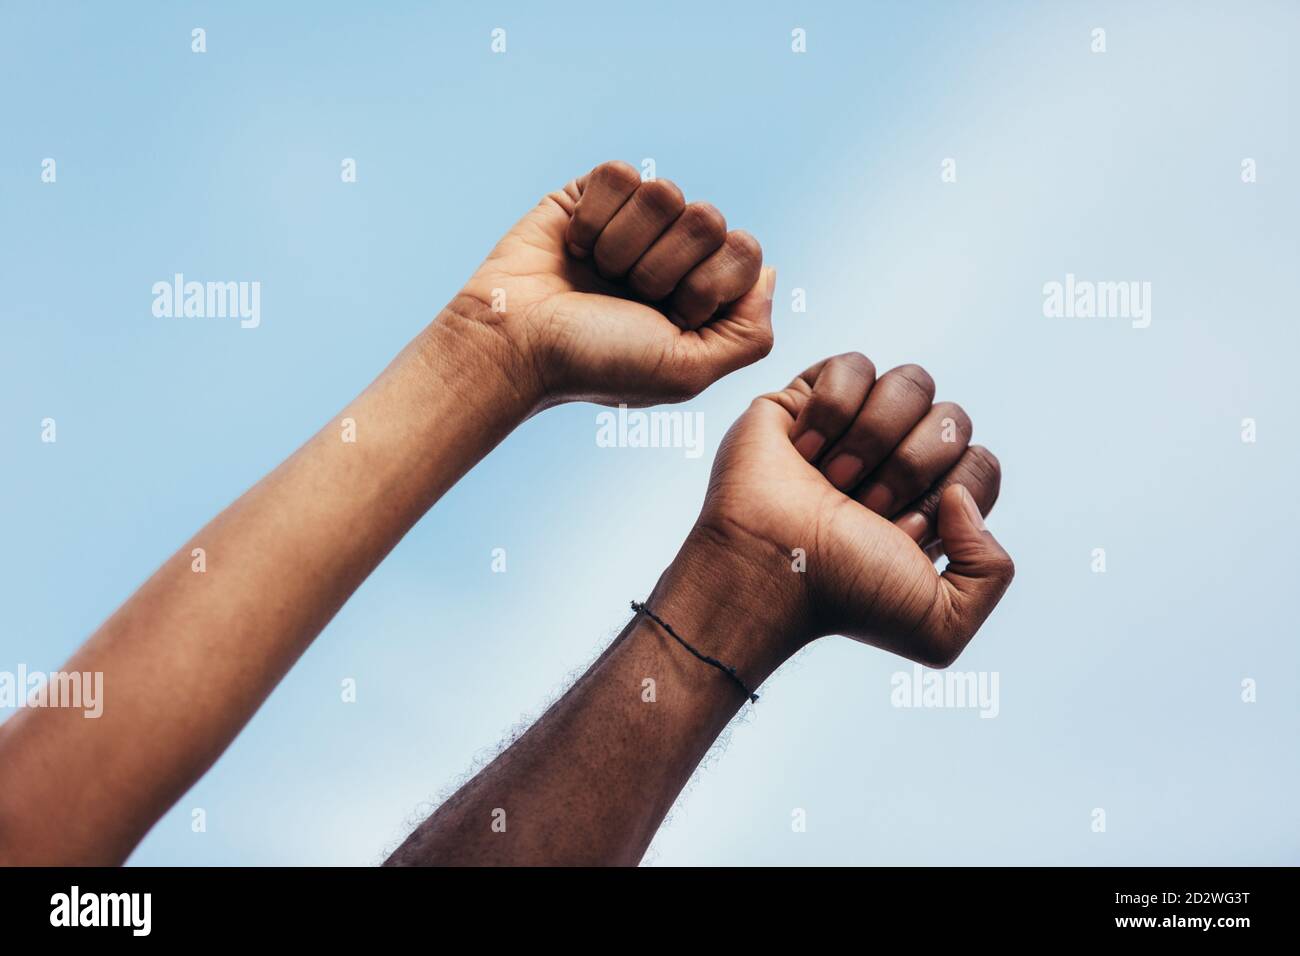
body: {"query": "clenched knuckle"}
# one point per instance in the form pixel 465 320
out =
pixel 915 377
pixel 663 197
pixel 954 412
pixel 865 367
pixel 704 223
pixel 857 364
pixel 617 174
pixel 985 466
pixel 744 247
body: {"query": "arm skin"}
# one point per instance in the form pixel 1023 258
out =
pixel 592 780
pixel 190 657
pixel 609 290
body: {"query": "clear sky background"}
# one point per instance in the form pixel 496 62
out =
pixel 1120 691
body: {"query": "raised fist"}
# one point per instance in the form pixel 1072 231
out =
pixel 869 481
pixel 614 290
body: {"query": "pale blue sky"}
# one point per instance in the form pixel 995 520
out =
pixel 1118 690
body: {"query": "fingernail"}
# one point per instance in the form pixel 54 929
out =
pixel 809 444
pixel 878 498
pixel 769 284
pixel 842 471
pixel 577 251
pixel 972 509
pixel 914 525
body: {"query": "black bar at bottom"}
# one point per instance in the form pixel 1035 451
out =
pixel 335 906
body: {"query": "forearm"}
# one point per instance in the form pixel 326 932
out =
pixel 188 659
pixel 591 782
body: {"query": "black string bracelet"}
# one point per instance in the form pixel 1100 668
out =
pixel 711 661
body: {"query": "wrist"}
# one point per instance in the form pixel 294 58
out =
pixel 723 605
pixel 468 343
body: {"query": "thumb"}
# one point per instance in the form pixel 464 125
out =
pixel 979 569
pixel 743 333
